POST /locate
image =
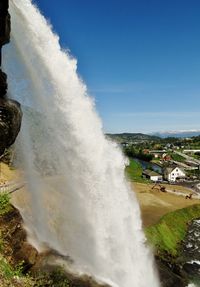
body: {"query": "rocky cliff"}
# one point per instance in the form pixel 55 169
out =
pixel 10 112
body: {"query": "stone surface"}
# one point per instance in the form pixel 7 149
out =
pixel 184 268
pixel 168 276
pixel 17 249
pixel 189 257
pixel 10 122
pixel 5 26
pixel 10 111
pixel 3 84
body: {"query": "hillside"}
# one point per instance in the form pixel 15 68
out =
pixel 167 234
pixel 178 134
pixel 176 246
pixel 132 137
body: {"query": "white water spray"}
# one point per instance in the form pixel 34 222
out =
pixel 81 204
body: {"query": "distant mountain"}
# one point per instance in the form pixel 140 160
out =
pixel 178 134
pixel 132 137
pixel 140 137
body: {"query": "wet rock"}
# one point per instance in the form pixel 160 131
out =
pixel 27 254
pixel 10 122
pixel 15 239
pixel 168 276
pixel 73 280
pixel 192 269
pixel 189 257
pixel 86 281
pixel 10 112
pixel 3 83
pixel 17 250
pixel 179 270
pixel 5 26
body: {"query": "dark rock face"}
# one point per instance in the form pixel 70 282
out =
pixel 10 122
pixel 189 258
pixel 3 84
pixel 180 270
pixel 10 112
pixel 4 23
pixel 168 276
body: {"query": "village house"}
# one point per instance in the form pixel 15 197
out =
pixel 172 174
pixel 169 146
pixel 152 175
pixel 157 153
pixel 124 144
pixel 166 157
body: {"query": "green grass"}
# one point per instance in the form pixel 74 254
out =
pixel 195 146
pixel 171 229
pixel 155 160
pixel 134 172
pixel 196 156
pixel 177 157
pixel 8 270
pixel 4 203
pixel 10 276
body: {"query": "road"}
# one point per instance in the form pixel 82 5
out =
pixel 189 158
pixel 193 185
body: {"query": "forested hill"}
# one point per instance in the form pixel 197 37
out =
pixel 132 137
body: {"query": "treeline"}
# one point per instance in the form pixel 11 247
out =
pixel 195 172
pixel 137 153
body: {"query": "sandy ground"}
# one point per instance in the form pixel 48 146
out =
pixel 7 173
pixel 155 203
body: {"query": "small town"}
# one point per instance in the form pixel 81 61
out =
pixel 162 160
pixel 171 165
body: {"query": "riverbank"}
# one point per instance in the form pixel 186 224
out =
pixel 154 203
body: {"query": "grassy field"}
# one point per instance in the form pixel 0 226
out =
pixel 177 157
pixel 134 172
pixel 171 229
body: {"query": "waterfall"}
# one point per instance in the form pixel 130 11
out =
pixel 80 202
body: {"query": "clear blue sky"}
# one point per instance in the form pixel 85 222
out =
pixel 140 59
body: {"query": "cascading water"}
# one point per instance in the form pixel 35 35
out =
pixel 81 204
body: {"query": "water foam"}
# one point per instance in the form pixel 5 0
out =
pixel 81 204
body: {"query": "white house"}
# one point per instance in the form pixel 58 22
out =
pixel 152 175
pixel 174 173
pixel 157 153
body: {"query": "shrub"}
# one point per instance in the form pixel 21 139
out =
pixel 4 203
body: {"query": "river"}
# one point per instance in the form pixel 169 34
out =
pixel 147 164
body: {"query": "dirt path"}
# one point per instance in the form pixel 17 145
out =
pixel 7 173
pixel 155 203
